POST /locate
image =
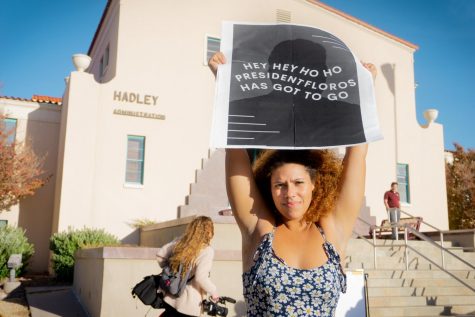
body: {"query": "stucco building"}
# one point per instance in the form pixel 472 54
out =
pixel 131 137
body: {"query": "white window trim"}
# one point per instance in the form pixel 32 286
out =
pixel 205 50
pixel 133 185
pixel 129 184
pixel 403 203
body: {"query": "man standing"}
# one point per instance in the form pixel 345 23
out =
pixel 391 201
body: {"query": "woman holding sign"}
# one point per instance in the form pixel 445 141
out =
pixel 296 210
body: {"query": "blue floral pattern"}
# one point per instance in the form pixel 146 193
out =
pixel 272 288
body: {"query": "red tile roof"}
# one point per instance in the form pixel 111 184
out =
pixel 47 99
pixel 37 98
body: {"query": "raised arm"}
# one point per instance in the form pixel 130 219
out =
pixel 352 188
pixel 244 197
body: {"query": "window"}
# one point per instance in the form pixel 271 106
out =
pixel 135 160
pixel 212 46
pixel 9 128
pixel 403 182
pixel 3 223
pixel 104 62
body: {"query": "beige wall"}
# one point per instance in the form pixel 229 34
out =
pixel 104 280
pixel 38 124
pixel 157 48
pixel 160 51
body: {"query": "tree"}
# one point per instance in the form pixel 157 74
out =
pixel 460 175
pixel 21 170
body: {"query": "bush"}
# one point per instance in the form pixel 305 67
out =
pixel 13 241
pixel 64 245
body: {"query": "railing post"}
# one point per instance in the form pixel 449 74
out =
pixel 374 247
pixel 442 249
pixel 406 253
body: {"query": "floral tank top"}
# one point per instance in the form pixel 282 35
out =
pixel 272 288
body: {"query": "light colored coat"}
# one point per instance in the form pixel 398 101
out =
pixel 189 302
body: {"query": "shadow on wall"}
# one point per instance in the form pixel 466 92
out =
pixel 390 76
pixel 132 238
pixel 36 212
pixel 361 228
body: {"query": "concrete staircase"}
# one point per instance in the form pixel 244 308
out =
pixel 208 193
pixel 423 290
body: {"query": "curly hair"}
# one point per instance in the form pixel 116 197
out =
pixel 323 167
pixel 197 236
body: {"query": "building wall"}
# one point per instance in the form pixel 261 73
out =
pixel 157 48
pixel 37 124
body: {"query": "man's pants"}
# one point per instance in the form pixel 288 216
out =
pixel 394 216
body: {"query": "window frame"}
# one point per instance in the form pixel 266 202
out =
pixel 205 55
pixel 404 184
pixel 129 183
pixel 11 138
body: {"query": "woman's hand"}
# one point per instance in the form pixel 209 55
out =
pixel 214 297
pixel 372 69
pixel 216 60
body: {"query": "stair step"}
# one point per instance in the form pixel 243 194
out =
pixel 421 300
pixel 418 291
pixel 399 264
pixel 464 274
pixel 416 282
pixel 408 311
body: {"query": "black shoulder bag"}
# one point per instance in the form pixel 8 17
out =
pixel 147 291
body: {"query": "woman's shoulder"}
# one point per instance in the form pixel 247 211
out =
pixel 208 250
pixel 206 254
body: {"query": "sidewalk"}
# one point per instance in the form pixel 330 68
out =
pixel 54 301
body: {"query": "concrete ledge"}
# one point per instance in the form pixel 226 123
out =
pixel 184 221
pixel 168 224
pixel 143 253
pixel 464 238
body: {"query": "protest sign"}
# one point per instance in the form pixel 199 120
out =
pixel 290 86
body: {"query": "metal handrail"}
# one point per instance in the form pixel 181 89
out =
pixel 420 236
pixel 427 239
pixel 441 234
pixel 426 223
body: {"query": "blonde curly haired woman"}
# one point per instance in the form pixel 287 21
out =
pixel 194 252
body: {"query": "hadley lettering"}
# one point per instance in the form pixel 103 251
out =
pixel 131 97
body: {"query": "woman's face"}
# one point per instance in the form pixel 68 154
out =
pixel 291 188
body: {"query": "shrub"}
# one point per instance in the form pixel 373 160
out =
pixel 64 245
pixel 13 241
pixel 139 223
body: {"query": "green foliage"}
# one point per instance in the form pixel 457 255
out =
pixel 139 223
pixel 13 241
pixel 65 244
pixel 460 176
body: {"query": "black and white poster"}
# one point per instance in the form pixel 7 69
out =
pixel 290 86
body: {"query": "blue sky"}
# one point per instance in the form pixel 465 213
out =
pixel 39 37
